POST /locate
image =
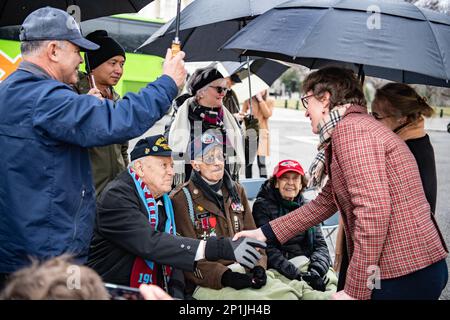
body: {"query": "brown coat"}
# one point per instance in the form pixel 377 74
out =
pixel 262 111
pixel 209 274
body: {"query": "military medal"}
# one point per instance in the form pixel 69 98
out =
pixel 212 223
pixel 237 207
pixel 203 221
pixel 236 224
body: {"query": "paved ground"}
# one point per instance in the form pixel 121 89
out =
pixel 291 137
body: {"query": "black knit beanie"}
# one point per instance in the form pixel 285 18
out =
pixel 202 77
pixel 108 48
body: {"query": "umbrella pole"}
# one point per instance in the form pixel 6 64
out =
pixel 249 85
pixel 361 74
pixel 89 72
pixel 176 45
pixel 87 66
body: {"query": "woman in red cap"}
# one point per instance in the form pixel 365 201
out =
pixel 279 195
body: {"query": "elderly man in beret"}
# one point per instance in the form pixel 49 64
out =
pixel 135 240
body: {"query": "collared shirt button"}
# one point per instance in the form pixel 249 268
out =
pixel 182 246
pixel 188 247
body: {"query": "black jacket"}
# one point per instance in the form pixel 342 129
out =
pixel 311 243
pixel 122 232
pixel 423 151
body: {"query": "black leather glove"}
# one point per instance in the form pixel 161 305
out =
pixel 313 278
pixel 259 277
pixel 236 280
pixel 242 250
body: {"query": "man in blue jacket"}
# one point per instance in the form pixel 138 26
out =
pixel 47 198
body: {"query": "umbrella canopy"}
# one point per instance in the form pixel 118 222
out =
pixel 267 70
pixel 385 39
pixel 14 12
pixel 205 25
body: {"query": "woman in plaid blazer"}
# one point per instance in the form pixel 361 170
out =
pixel 368 173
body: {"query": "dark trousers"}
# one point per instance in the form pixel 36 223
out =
pixel 261 160
pixel 424 284
pixel 344 267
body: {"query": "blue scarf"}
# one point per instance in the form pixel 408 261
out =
pixel 138 275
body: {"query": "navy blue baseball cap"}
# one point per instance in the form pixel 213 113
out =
pixel 53 24
pixel 151 146
pixel 202 144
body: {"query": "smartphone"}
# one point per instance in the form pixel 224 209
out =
pixel 118 292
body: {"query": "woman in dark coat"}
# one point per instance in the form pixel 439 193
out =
pixel 400 108
pixel 280 194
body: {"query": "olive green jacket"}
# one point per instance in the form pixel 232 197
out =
pixel 107 161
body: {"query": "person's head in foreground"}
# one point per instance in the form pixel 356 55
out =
pixel 327 89
pixel 151 159
pixel 55 279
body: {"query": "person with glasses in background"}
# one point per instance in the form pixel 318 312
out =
pixel 402 109
pixel 202 109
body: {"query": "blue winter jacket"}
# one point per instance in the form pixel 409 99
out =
pixel 47 197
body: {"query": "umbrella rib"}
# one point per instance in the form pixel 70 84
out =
pixel 311 29
pixel 187 38
pixel 437 44
pixel 132 4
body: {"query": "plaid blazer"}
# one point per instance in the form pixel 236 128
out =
pixel 374 182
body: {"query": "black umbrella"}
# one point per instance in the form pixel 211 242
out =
pixel 13 12
pixel 267 70
pixel 385 39
pixel 204 26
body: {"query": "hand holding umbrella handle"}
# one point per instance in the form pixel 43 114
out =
pixel 176 47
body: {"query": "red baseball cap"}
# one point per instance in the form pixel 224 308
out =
pixel 287 166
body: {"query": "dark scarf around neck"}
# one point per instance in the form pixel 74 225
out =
pixel 209 116
pixel 212 191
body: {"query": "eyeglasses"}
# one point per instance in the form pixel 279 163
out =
pixel 220 89
pixel 211 159
pixel 378 117
pixel 305 100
